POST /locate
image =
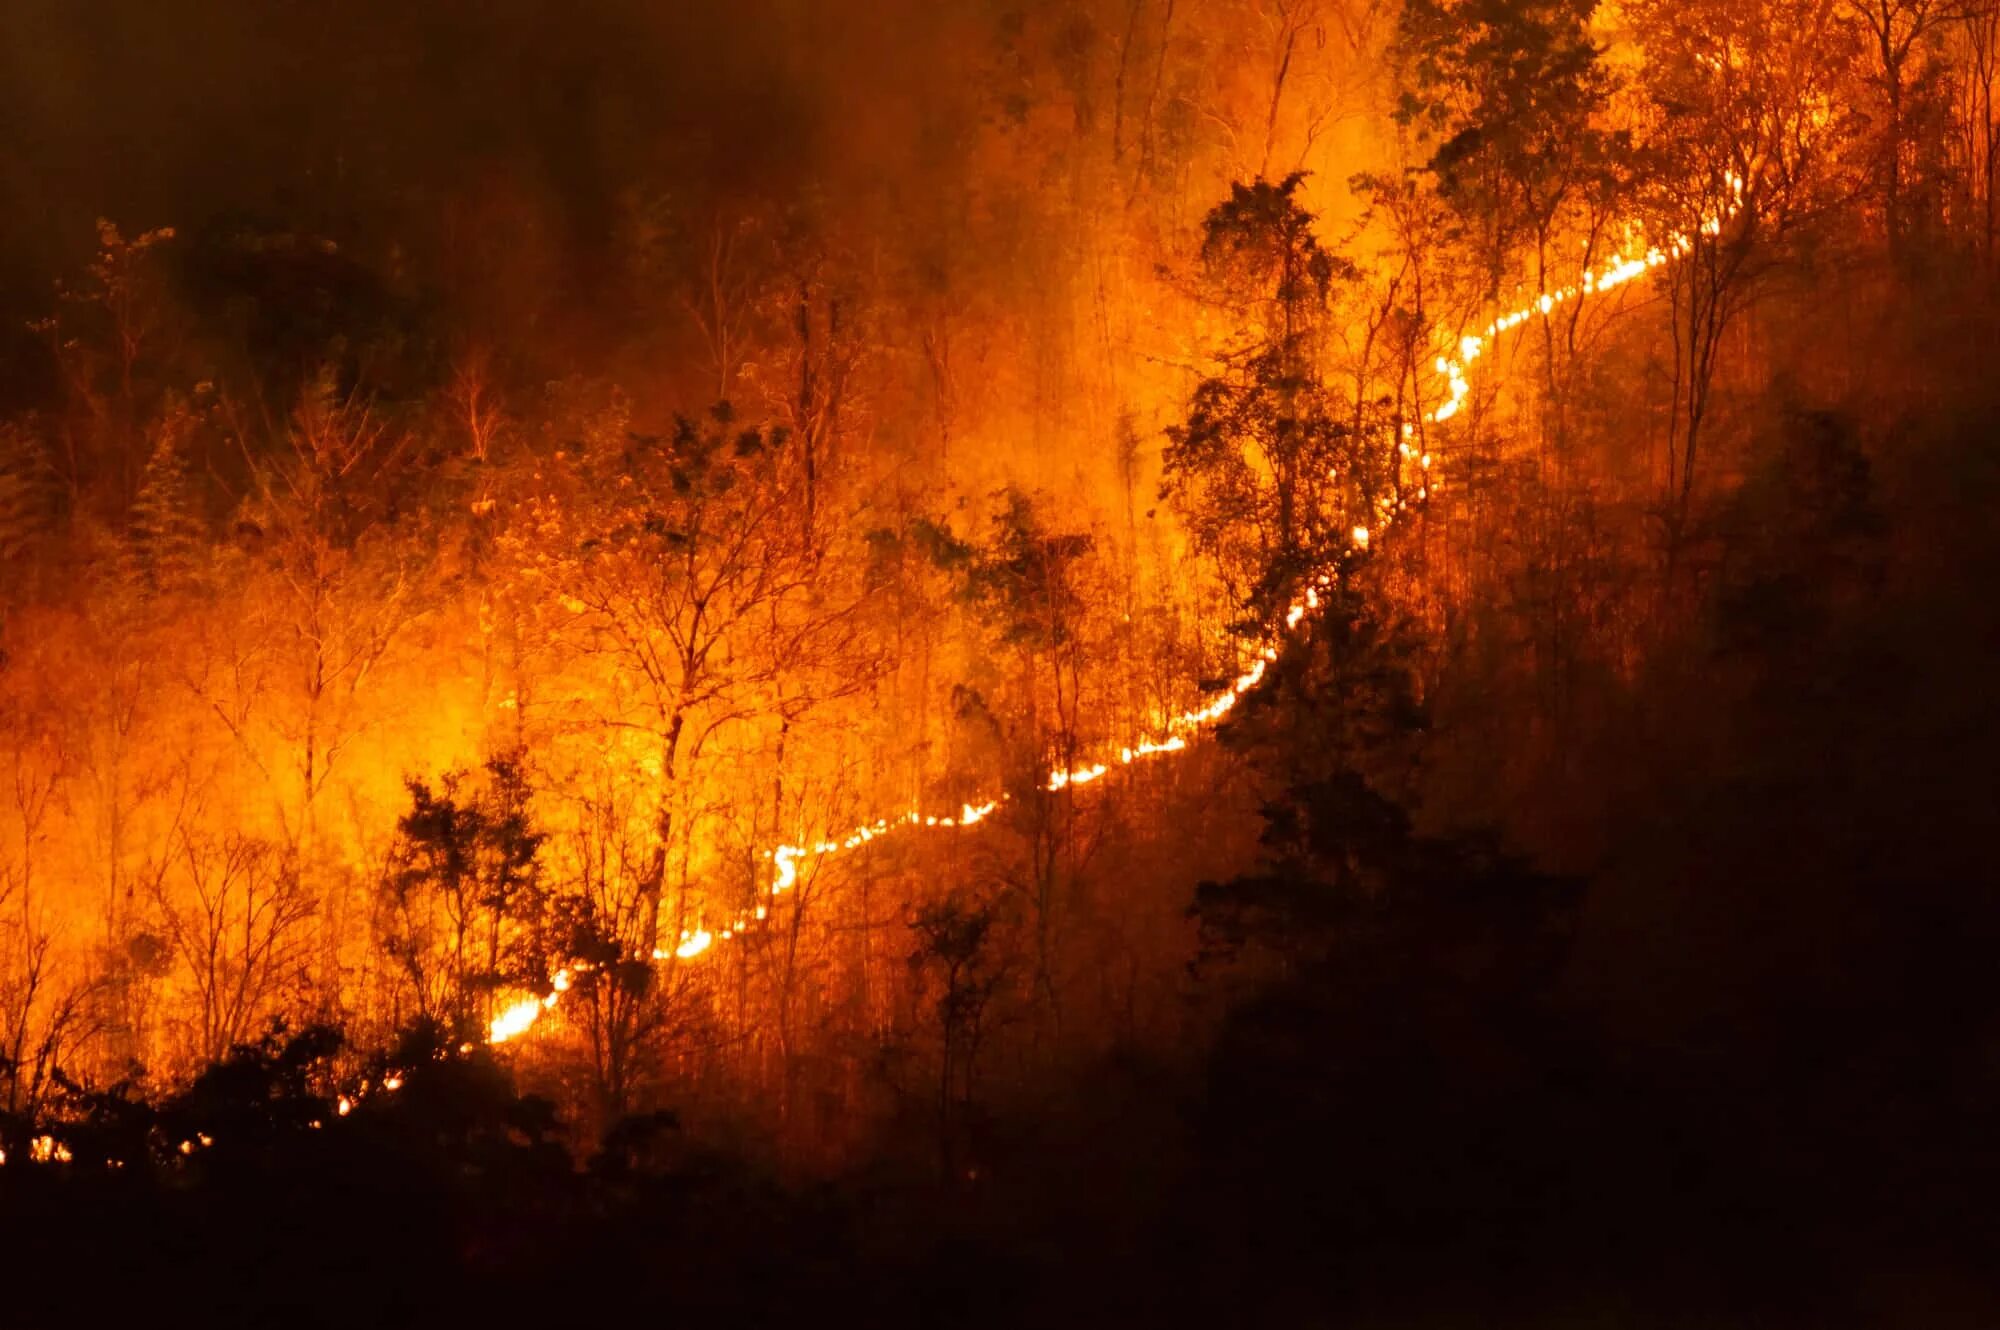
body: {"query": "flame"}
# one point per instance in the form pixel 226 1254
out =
pixel 1616 272
pixel 1062 780
pixel 514 1021
pixel 787 859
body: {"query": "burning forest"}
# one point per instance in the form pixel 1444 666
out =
pixel 1000 662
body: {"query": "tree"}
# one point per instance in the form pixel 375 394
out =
pixel 626 995
pixel 1906 39
pixel 1802 537
pixel 464 906
pixel 1274 477
pixel 265 1091
pixel 826 351
pixel 1351 891
pixel 1513 94
pixel 1978 60
pixel 1743 121
pixel 45 1004
pixel 1029 585
pixel 954 951
pixel 315 505
pixel 1515 97
pixel 231 909
pixel 166 537
pixel 680 568
pixel 326 555
pixel 30 497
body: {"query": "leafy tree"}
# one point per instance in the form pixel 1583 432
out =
pixel 1029 585
pixel 955 952
pixel 464 905
pixel 1271 474
pixel 265 1091
pixel 626 1006
pixel 279 302
pixel 1801 538
pixel 918 574
pixel 1346 697
pixel 1351 886
pixel 1513 93
pixel 1515 97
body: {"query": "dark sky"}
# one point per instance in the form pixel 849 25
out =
pixel 481 154
pixel 363 117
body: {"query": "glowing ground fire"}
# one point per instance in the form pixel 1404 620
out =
pixel 1174 734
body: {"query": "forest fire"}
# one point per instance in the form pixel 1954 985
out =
pixel 786 860
pixel 1327 659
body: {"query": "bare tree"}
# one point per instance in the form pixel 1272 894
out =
pixel 45 1007
pixel 1978 49
pixel 1738 157
pixel 1902 35
pixel 681 569
pixel 629 1008
pixel 233 912
pixel 331 589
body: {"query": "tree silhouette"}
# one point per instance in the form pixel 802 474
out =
pixel 1270 472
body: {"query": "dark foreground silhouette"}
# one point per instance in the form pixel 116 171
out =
pixel 1745 1072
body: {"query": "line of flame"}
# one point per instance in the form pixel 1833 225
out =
pixel 787 859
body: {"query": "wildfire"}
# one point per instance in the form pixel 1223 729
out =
pixel 515 1020
pixel 786 860
pixel 1616 272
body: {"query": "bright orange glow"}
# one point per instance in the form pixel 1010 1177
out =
pixel 514 1021
pixel 786 860
pixel 1634 263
